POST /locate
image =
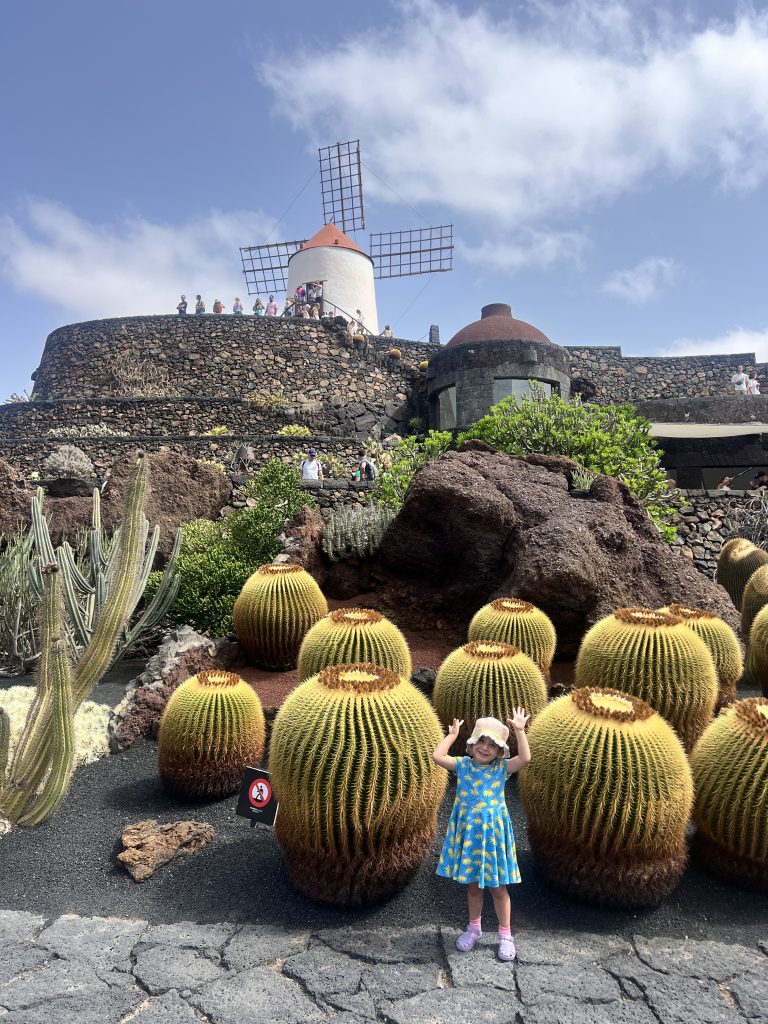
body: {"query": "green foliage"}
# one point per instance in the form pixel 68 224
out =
pixel 86 430
pixel 201 535
pixel 209 582
pixel 213 464
pixel 356 531
pixel 294 430
pixel 219 431
pixel 18 603
pixel 582 478
pixel 406 457
pixel 416 425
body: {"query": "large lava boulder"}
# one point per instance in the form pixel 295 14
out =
pixel 478 525
pixel 15 499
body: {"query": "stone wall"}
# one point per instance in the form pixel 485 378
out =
pixel 702 527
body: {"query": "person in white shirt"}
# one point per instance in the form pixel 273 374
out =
pixel 753 384
pixel 310 467
pixel 740 381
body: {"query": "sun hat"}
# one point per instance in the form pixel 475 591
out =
pixel 312 453
pixel 494 730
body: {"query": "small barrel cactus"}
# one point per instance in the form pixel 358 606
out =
pixel 737 560
pixel 350 761
pixel 486 677
pixel 730 774
pixel 276 608
pixel 722 643
pixel 212 727
pixel 757 652
pixel 350 635
pixel 755 596
pixel 607 796
pixel 511 620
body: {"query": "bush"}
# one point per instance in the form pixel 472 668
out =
pixel 69 461
pixel 416 425
pixel 356 531
pixel 406 457
pixel 219 431
pixel 209 582
pixel 201 535
pixel 294 430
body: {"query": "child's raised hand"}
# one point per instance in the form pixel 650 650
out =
pixel 455 726
pixel 519 720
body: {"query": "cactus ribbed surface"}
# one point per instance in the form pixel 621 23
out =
pixel 722 643
pixel 607 795
pixel 511 620
pixel 737 560
pixel 350 762
pixel 656 657
pixel 730 773
pixel 754 598
pixel 486 677
pixel 350 635
pixel 757 652
pixel 5 743
pixel 212 727
pixel 276 608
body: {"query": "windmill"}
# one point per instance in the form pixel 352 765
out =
pixel 330 256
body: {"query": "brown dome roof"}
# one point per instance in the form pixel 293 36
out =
pixel 496 323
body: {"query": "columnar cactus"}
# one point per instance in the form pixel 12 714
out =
pixel 511 620
pixel 722 643
pixel 757 651
pixel 212 727
pixel 730 775
pixel 607 796
pixel 737 560
pixel 350 635
pixel 485 677
pixel 350 762
pixel 656 657
pixel 276 608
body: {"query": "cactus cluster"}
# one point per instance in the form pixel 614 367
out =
pixel 69 461
pixel 737 560
pixel 609 799
pixel 212 727
pixel 511 620
pixel 350 635
pixel 721 642
pixel 350 762
pixel 356 531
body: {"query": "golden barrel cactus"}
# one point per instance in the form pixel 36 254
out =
pixel 276 608
pixel 730 775
pixel 754 598
pixel 607 795
pixel 757 652
pixel 722 643
pixel 514 621
pixel 350 635
pixel 737 560
pixel 656 657
pixel 351 763
pixel 212 727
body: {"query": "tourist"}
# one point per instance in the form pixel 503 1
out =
pixel 319 293
pixel 366 466
pixel 271 306
pixel 761 480
pixel 315 312
pixel 258 307
pixel 724 484
pixel 218 307
pixel 479 848
pixel 288 307
pixel 740 381
pixel 360 321
pixel 753 384
pixel 199 305
pixel 310 467
pixel 181 309
pixel 311 294
pixel 237 307
pixel 300 295
pixel 387 332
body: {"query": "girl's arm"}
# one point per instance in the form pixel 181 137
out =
pixel 518 722
pixel 440 753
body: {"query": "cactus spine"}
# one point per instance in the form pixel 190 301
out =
pixel 722 643
pixel 656 657
pixel 350 635
pixel 5 744
pixel 350 762
pixel 757 651
pixel 737 560
pixel 730 773
pixel 212 727
pixel 755 597
pixel 608 796
pixel 511 620
pixel 276 608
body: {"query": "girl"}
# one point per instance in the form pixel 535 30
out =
pixel 479 848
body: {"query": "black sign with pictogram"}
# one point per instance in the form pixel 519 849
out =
pixel 257 801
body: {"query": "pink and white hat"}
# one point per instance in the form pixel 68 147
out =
pixel 494 730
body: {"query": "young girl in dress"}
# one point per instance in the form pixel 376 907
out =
pixel 479 848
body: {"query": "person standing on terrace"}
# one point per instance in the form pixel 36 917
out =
pixel 740 380
pixel 271 306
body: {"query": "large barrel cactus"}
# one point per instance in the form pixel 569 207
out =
pixel 276 608
pixel 514 621
pixel 754 598
pixel 212 727
pixel 656 657
pixel 730 775
pixel 485 677
pixel 757 652
pixel 350 762
pixel 722 643
pixel 607 794
pixel 350 635
pixel 737 560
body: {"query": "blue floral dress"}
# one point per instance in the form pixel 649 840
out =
pixel 480 844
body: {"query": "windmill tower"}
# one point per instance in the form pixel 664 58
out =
pixel 346 270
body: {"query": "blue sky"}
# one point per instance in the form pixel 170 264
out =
pixel 605 165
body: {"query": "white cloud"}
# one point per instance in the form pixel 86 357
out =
pixel 525 119
pixel 644 282
pixel 130 268
pixel 529 248
pixel 738 341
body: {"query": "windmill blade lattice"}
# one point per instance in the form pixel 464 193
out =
pixel 341 185
pixel 413 251
pixel 266 266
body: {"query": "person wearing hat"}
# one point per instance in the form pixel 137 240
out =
pixel 479 849
pixel 310 467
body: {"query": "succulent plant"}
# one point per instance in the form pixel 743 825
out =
pixel 350 635
pixel 212 727
pixel 350 762
pixel 722 643
pixel 486 677
pixel 737 560
pixel 69 461
pixel 656 657
pixel 607 797
pixel 757 652
pixel 755 596
pixel 276 608
pixel 730 775
pixel 514 621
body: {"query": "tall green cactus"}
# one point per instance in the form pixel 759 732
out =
pixel 5 744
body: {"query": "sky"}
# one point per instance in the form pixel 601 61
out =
pixel 604 164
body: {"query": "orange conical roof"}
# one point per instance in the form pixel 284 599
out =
pixel 329 235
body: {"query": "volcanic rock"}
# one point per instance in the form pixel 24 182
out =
pixel 15 499
pixel 148 846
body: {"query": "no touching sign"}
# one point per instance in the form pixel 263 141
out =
pixel 257 801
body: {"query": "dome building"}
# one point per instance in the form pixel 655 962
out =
pixel 488 360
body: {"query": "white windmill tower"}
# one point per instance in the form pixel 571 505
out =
pixel 330 256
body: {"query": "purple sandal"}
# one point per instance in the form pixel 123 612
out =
pixel 507 949
pixel 466 941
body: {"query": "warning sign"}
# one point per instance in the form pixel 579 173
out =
pixel 257 801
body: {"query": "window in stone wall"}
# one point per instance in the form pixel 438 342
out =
pixel 446 408
pixel 505 386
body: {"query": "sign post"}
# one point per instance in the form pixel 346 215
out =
pixel 256 800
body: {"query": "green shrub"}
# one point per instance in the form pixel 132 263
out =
pixel 294 430
pixel 416 425
pixel 202 534
pixel 406 457
pixel 219 431
pixel 209 582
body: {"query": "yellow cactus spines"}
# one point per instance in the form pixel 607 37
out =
pixel 276 608
pixel 519 623
pixel 737 560
pixel 350 635
pixel 212 727
pixel 757 652
pixel 607 795
pixel 656 657
pixel 755 596
pixel 351 763
pixel 722 643
pixel 486 677
pixel 730 774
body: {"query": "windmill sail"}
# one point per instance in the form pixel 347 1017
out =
pixel 266 266
pixel 341 185
pixel 413 251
